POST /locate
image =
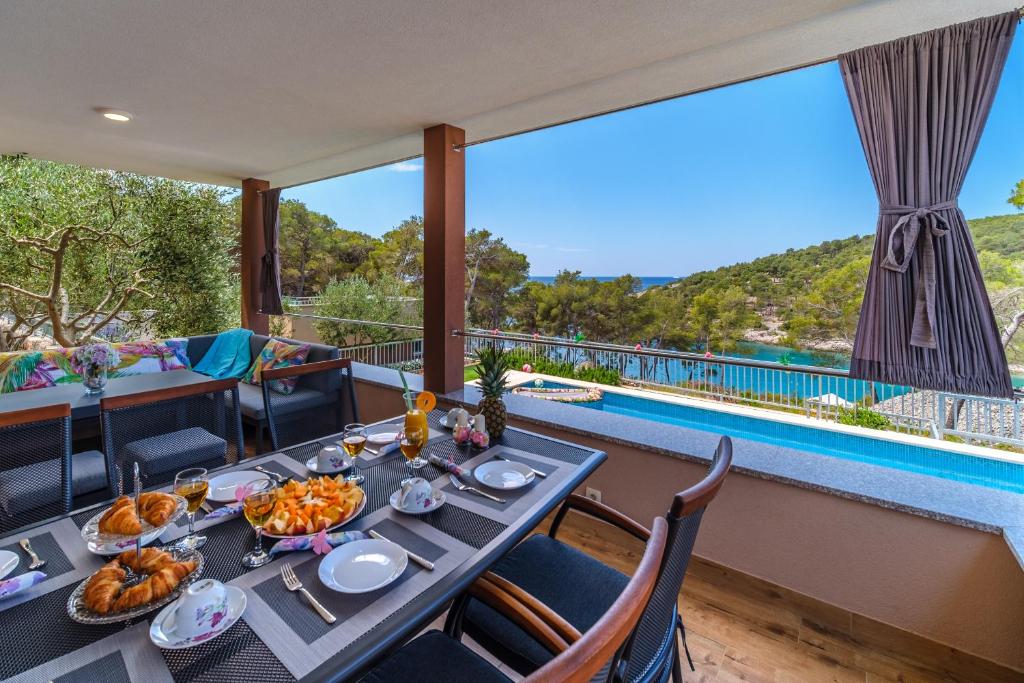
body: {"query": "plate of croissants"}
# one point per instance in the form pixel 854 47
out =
pixel 125 520
pixel 134 583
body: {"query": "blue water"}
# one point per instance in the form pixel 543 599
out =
pixel 945 464
pixel 645 281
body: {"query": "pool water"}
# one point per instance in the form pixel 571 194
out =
pixel 970 469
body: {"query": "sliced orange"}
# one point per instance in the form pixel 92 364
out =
pixel 426 401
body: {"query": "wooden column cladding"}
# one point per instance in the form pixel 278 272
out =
pixel 252 255
pixel 444 256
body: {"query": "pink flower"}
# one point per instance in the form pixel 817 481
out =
pixel 241 492
pixel 707 354
pixel 321 546
pixel 536 335
pixel 638 346
pixel 527 367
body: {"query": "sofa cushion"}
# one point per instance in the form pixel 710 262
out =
pixel 277 354
pixel 22 371
pixel 32 486
pixel 174 451
pixel 250 399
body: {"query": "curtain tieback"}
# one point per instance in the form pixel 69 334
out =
pixel 904 237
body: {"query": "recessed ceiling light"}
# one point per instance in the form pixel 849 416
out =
pixel 118 115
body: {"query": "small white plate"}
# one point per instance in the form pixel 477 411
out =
pixel 362 566
pixel 311 465
pixel 8 561
pixel 502 474
pixel 120 546
pixel 382 438
pixel 223 486
pixel 436 500
pixel 161 632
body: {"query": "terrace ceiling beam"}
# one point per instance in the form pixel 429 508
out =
pixel 444 256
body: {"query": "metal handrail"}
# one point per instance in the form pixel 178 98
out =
pixel 350 321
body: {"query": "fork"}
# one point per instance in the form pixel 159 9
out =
pixel 292 583
pixel 27 547
pixel 536 472
pixel 279 477
pixel 466 487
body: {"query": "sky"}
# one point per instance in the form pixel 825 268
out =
pixel 683 185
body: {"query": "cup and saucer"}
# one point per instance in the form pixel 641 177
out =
pixel 330 460
pixel 417 497
pixel 205 610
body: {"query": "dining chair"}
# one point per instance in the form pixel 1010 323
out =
pixel 322 402
pixel 167 430
pixel 575 658
pixel 579 588
pixel 39 476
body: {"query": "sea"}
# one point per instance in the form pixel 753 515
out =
pixel 645 281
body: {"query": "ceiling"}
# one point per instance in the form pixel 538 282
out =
pixel 295 92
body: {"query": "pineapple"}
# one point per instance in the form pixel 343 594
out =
pixel 492 372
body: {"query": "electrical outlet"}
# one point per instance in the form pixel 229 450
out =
pixel 593 494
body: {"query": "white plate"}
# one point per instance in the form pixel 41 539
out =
pixel 161 632
pixel 311 465
pixel 502 474
pixel 362 566
pixel 223 486
pixel 382 438
pixel 342 523
pixel 8 561
pixel 120 546
pixel 436 501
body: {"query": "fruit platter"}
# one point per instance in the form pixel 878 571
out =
pixel 317 504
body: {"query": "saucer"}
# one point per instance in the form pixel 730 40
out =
pixel 435 501
pixel 161 632
pixel 8 561
pixel 119 547
pixel 362 566
pixel 312 466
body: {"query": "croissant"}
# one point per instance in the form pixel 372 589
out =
pixel 152 560
pixel 155 586
pixel 121 518
pixel 156 508
pixel 103 587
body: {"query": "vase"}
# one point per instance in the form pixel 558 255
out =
pixel 94 377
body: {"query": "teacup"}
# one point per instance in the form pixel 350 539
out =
pixel 416 491
pixel 330 459
pixel 457 416
pixel 200 608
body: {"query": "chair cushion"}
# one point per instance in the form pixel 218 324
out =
pixel 251 400
pixel 277 354
pixel 570 582
pixel 434 657
pixel 32 486
pixel 175 450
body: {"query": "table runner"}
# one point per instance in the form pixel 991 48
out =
pixel 261 646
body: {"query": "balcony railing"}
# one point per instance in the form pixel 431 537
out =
pixel 816 392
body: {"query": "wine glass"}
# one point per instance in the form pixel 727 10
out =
pixel 354 442
pixel 192 485
pixel 258 507
pixel 411 443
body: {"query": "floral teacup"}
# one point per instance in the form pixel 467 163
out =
pixel 416 493
pixel 331 459
pixel 201 607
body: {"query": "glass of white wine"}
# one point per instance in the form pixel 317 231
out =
pixel 354 441
pixel 257 508
pixel 192 485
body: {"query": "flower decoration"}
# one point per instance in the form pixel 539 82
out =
pixel 707 354
pixel 527 367
pixel 94 357
pixel 638 346
pixel 536 335
pixel 321 546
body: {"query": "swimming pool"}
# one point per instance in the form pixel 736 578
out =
pixel 962 467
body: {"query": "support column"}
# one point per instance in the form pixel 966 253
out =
pixel 444 257
pixel 252 255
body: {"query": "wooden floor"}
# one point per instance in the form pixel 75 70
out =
pixel 747 630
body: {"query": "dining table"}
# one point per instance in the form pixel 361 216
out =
pixel 279 637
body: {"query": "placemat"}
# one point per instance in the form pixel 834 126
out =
pixel 294 636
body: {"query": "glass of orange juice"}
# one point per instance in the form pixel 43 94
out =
pixel 415 434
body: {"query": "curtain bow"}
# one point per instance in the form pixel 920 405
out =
pixel 903 238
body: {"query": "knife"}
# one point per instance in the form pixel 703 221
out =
pixel 423 562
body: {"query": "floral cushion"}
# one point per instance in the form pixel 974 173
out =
pixel 179 347
pixel 20 371
pixel 139 358
pixel 277 354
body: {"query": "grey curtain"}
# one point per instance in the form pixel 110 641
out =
pixel 920 104
pixel 270 271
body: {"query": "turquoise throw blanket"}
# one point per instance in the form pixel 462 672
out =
pixel 228 355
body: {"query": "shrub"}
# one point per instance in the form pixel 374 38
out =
pixel 863 417
pixel 545 366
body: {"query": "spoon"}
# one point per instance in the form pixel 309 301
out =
pixel 27 547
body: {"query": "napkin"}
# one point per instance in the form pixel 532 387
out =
pixel 229 510
pixel 19 583
pixel 320 543
pixel 447 465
